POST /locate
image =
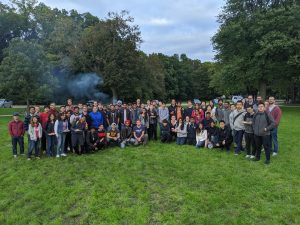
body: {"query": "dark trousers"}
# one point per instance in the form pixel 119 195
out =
pixel 191 140
pixel 250 144
pixel 226 146
pixel 262 141
pixel 43 141
pixel 165 138
pixel 238 138
pixel 68 142
pixel 15 141
pixel 51 140
pixel 152 131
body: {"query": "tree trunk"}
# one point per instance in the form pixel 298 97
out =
pixel 262 90
pixel 115 96
pixel 27 104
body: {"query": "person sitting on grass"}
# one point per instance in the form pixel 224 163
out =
pixel 113 135
pixel 92 140
pixel 207 120
pixel 101 137
pixel 35 135
pixel 139 134
pixel 126 134
pixel 225 138
pixel 61 128
pixel 16 131
pixel 181 132
pixel 213 135
pixel 165 132
pixel 201 136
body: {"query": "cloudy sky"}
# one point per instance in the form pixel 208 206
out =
pixel 167 26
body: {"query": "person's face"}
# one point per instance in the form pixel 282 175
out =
pixel 68 114
pixel 212 124
pixel 52 117
pixel 201 126
pixel 84 109
pixel 180 120
pixel 226 105
pixel 34 119
pixel 46 110
pixel 138 123
pixel 232 107
pixel 80 106
pixel 165 124
pixel 192 120
pixel 207 115
pixel 173 118
pixel 125 106
pixel 112 108
pixel 37 109
pixel 220 103
pixel 148 102
pixel 62 109
pixel 267 104
pixel 62 117
pixel 179 104
pixel 101 127
pixel 76 110
pixel 70 102
pixel 32 110
pixel 16 118
pixel 163 105
pixel 173 102
pixel 138 101
pixel 222 125
pixel 258 98
pixel 261 108
pixel 95 103
pixel 67 108
pixel 250 98
pixel 95 109
pixel 271 100
pixel 250 110
pixel 203 104
pixel 189 103
pixel 52 106
pixel 239 106
pixel 187 119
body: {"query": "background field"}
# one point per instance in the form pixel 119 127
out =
pixel 156 184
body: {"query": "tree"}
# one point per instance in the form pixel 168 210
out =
pixel 24 73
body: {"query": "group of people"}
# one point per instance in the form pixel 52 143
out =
pixel 84 129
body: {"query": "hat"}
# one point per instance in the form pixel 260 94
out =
pixel 16 114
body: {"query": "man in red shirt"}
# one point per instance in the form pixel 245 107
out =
pixel 43 119
pixel 16 131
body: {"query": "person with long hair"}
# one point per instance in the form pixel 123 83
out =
pixel 50 135
pixel 181 131
pixel 201 136
pixel 61 128
pixel 35 135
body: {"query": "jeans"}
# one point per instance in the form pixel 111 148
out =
pixel 15 141
pixel 238 138
pixel 180 140
pixel 34 145
pixel 265 141
pixel 51 139
pixel 61 143
pixel 274 141
pixel 200 144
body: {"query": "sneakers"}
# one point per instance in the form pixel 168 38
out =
pixel 28 158
pixel 252 156
pixel 15 156
pixel 236 154
pixel 37 157
pixel 63 154
pixel 274 154
pixel 57 156
pixel 22 154
pixel 248 156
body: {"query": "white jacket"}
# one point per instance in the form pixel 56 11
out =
pixel 202 136
pixel 32 133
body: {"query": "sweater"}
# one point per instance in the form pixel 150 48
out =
pixel 263 120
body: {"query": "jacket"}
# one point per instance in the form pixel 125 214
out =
pixel 262 120
pixel 16 129
pixel 183 132
pixel 237 120
pixel 32 134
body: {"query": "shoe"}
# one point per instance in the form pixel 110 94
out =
pixel 262 149
pixel 236 154
pixel 267 162
pixel 274 154
pixel 63 154
pixel 255 159
pixel 15 156
pixel 57 156
pixel 252 156
pixel 22 154
pixel 37 157
pixel 248 156
pixel 28 158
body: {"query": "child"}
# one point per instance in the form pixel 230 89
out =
pixel 16 131
pixel 35 135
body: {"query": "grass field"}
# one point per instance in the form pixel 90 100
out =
pixel 156 184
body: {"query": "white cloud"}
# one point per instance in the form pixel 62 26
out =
pixel 159 22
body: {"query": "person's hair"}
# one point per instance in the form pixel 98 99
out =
pixel 220 100
pixel 222 121
pixel 165 121
pixel 198 129
pixel 228 102
pixel 239 101
pixel 261 103
pixel 62 106
pixel 250 106
pixel 46 106
pixel 49 117
pixel 76 107
pixel 60 115
pixel 207 113
pixel 31 121
pixel 31 107
pixel 189 101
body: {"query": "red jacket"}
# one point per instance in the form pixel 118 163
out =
pixel 276 114
pixel 16 129
pixel 44 119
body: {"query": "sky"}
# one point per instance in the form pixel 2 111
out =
pixel 167 26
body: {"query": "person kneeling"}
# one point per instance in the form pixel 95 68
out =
pixel 139 134
pixel 201 136
pixel 126 135
pixel 113 135
pixel 92 140
pixel 225 137
pixel 213 136
pixel 101 137
pixel 165 132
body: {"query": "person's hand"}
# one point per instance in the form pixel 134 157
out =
pixel 265 129
pixel 223 142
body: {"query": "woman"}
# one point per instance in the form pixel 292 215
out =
pixel 61 128
pixel 68 139
pixel 35 135
pixel 50 135
pixel 201 136
pixel 144 118
pixel 78 128
pixel 181 132
pixel 173 125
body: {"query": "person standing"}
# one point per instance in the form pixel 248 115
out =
pixel 238 126
pixel 163 113
pixel 263 123
pixel 172 108
pixel 219 111
pixel 96 117
pixel 50 135
pixel 35 135
pixel 276 113
pixel 16 131
pixel 249 136
pixel 61 128
pixel 152 123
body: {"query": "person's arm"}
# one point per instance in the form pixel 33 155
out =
pixel 10 129
pixel 55 128
pixel 22 129
pixel 40 130
pixel 272 124
pixel 277 116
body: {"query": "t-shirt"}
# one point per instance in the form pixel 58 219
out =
pixel 113 133
pixel 139 130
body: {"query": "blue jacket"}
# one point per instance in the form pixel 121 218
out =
pixel 97 119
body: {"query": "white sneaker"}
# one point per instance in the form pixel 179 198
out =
pixel 236 154
pixel 252 156
pixel 28 158
pixel 248 156
pixel 63 154
pixel 274 154
pixel 15 156
pixel 57 156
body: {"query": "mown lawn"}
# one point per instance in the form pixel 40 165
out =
pixel 156 184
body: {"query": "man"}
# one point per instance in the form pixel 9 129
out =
pixel 96 117
pixel 43 119
pixel 124 114
pixel 85 113
pixel 238 126
pixel 165 132
pixel 250 102
pixel 70 104
pixel 172 108
pixel 135 113
pixel 163 113
pixel 263 123
pixel 227 112
pixel 52 109
pixel 113 135
pixel 16 131
pixel 219 111
pixel 112 116
pixel 189 110
pixel 276 113
pixel 139 134
pixel 207 120
pixel 152 131
pixel 28 117
pixel 92 140
pixel 225 137
pixel 75 115
pixel 126 135
pixel 249 136
pixel 191 132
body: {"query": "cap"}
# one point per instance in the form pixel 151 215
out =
pixel 16 114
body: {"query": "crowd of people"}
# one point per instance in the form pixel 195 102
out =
pixel 249 125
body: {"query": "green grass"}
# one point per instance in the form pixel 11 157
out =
pixel 157 184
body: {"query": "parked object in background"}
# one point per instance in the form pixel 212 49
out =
pixel 196 101
pixel 236 98
pixel 4 103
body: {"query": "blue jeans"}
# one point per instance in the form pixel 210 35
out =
pixel 200 144
pixel 238 138
pixel 15 141
pixel 180 140
pixel 34 145
pixel 274 141
pixel 61 143
pixel 51 139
